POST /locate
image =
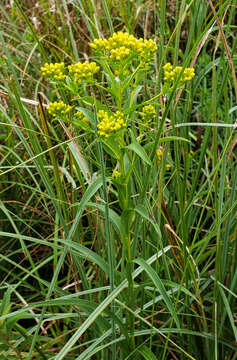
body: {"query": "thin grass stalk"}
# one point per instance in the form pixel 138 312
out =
pixel 226 46
pixel 104 304
pixel 59 186
pixel 34 34
pixel 72 40
pixel 107 10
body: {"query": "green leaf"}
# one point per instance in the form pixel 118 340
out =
pixel 88 114
pixel 79 159
pixel 158 283
pixel 55 243
pixel 131 102
pixel 143 211
pixel 103 305
pixel 229 312
pixel 138 149
pixel 147 353
pixel 173 138
pixel 113 216
pixel 112 147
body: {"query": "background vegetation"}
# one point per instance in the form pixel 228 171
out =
pixel 65 291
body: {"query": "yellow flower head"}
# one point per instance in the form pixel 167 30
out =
pixel 120 45
pixel 58 108
pixel 83 70
pixel 171 74
pixel 116 174
pixel 110 123
pixel 148 112
pixel 99 44
pixel 54 71
pixel 159 154
pixel 118 40
pixel 119 53
pixel 145 49
pixel 80 116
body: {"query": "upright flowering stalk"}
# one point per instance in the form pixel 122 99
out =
pixel 107 105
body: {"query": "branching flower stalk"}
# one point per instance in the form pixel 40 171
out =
pixel 123 60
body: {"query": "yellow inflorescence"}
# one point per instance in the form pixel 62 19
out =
pixel 119 53
pixel 110 123
pixel 83 70
pixel 58 108
pixel 81 116
pixel 159 154
pixel 116 174
pixel 121 44
pixel 171 74
pixel 54 71
pixel 146 49
pixel 148 112
pixel 100 44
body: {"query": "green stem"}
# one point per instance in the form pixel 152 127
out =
pixel 111 250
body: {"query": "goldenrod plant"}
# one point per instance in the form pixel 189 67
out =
pixel 123 62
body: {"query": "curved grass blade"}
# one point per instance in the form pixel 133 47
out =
pixel 90 320
pixel 158 283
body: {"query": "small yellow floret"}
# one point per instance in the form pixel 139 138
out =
pixel 116 174
pixel 81 116
pixel 58 108
pixel 54 71
pixel 159 154
pixel 168 67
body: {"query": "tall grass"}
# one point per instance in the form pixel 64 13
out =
pixel 69 289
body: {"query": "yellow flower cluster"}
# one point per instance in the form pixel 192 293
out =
pixel 83 70
pixel 58 108
pixel 148 112
pixel 171 74
pixel 54 71
pixel 80 116
pixel 110 123
pixel 119 53
pixel 159 154
pixel 120 45
pixel 116 174
pixel 146 49
pixel 100 44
